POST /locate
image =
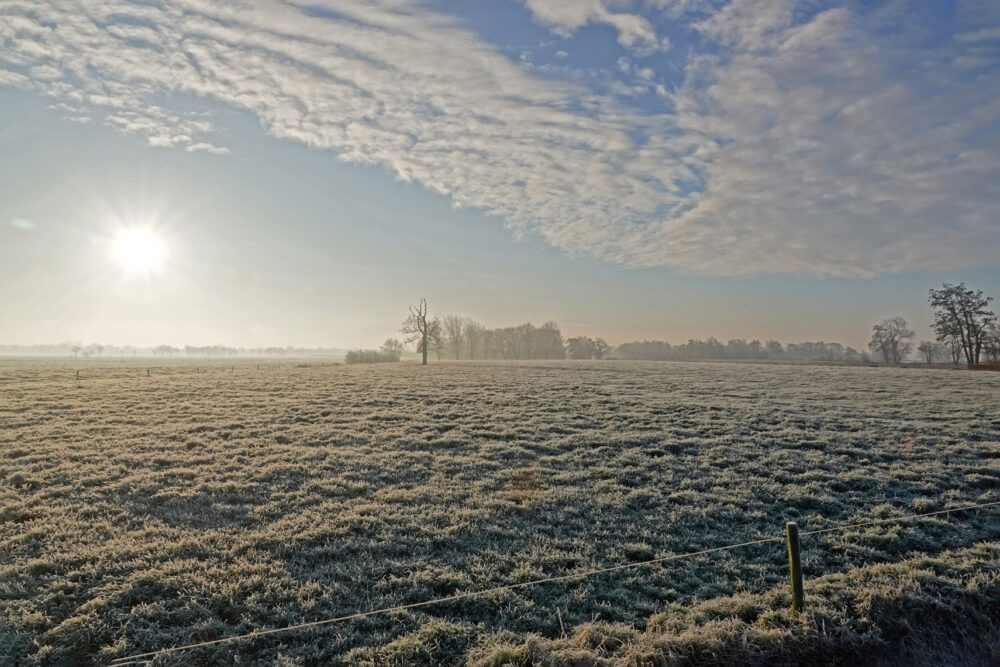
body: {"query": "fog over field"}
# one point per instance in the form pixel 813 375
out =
pixel 141 512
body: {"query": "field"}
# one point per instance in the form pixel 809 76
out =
pixel 140 512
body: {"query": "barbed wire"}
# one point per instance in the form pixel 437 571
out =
pixel 140 658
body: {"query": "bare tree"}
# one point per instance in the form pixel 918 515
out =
pixel 961 315
pixel 890 338
pixel 392 348
pixel 928 351
pixel 991 343
pixel 423 330
pixel 955 347
pixel 475 336
pixel 453 327
pixel 506 342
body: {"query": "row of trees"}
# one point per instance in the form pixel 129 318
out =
pixel 737 348
pixel 80 350
pixel 456 337
pixel 391 351
pixel 964 326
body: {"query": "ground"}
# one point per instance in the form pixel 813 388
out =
pixel 154 504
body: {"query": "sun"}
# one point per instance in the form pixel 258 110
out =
pixel 138 250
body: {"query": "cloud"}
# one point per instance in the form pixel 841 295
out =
pixel 8 78
pixel 798 141
pixel 207 147
pixel 564 17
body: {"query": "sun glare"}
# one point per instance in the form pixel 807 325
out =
pixel 138 250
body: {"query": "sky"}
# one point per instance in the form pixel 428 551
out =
pixel 631 169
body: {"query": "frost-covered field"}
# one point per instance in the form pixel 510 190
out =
pixel 142 512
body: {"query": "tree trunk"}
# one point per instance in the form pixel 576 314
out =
pixel 423 347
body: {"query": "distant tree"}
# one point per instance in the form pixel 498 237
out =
pixel 392 348
pixel 506 342
pixel 890 338
pixel 580 347
pixel 99 349
pixel 991 343
pixel 370 356
pixel 961 315
pixel 422 329
pixel 928 351
pixel 474 335
pixel 76 350
pixel 600 347
pixel 954 346
pixel 453 328
pixel 547 342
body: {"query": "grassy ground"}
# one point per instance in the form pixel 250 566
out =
pixel 141 512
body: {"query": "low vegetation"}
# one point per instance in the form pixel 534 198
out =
pixel 139 512
pixel 370 357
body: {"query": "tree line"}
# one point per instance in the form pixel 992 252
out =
pixel 98 350
pixel 737 348
pixel 457 337
pixel 964 327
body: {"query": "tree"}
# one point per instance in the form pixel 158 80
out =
pixel 475 336
pixel 392 348
pixel 961 316
pixel 580 347
pixel 890 338
pixel 547 342
pixel 928 350
pixel 423 330
pixel 955 347
pixel 600 347
pixel 453 327
pixel 991 343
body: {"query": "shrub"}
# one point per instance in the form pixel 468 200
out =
pixel 370 357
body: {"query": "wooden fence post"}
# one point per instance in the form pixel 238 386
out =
pixel 794 565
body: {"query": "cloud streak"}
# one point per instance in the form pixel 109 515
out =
pixel 796 142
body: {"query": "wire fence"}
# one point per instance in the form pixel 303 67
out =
pixel 141 658
pixel 35 372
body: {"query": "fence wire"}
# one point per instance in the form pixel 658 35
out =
pixel 140 658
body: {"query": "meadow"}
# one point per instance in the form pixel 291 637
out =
pixel 140 511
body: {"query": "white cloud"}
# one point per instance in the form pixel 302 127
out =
pixel 208 148
pixel 793 145
pixel 8 78
pixel 564 17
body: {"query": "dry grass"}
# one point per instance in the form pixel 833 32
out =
pixel 140 512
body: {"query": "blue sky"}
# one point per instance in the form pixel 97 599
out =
pixel 657 168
